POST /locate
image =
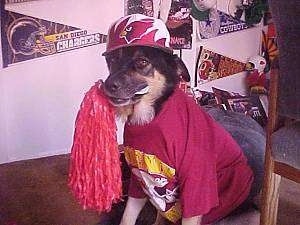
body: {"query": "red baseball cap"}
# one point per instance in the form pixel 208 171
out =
pixel 138 30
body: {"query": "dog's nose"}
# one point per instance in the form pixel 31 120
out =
pixel 114 85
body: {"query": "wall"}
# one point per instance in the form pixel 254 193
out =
pixel 239 45
pixel 40 98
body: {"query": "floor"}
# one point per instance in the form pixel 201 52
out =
pixel 35 192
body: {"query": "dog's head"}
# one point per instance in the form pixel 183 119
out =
pixel 141 77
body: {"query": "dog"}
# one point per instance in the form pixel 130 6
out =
pixel 182 160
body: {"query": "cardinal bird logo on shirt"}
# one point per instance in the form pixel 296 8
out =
pixel 142 30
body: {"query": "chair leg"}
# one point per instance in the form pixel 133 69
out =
pixel 270 199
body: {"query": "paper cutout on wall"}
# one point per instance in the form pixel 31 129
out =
pixel 211 66
pixel 25 37
pixel 219 23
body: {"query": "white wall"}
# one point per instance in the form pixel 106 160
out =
pixel 39 99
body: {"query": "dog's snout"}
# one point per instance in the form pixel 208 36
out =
pixel 113 85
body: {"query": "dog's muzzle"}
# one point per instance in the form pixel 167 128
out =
pixel 120 94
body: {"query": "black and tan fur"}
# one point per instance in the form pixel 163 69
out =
pixel 140 80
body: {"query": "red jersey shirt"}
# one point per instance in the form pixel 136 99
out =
pixel 186 163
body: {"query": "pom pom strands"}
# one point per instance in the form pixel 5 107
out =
pixel 95 172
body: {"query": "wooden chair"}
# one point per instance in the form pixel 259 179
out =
pixel 282 158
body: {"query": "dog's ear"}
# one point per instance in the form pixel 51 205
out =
pixel 181 69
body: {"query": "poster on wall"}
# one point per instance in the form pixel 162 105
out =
pixel 219 23
pixel 144 7
pixel 211 66
pixel 179 22
pixel 25 38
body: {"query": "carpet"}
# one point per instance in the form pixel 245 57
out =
pixel 35 192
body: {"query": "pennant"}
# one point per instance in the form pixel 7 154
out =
pixel 211 66
pixel 18 1
pixel 25 37
pixel 219 23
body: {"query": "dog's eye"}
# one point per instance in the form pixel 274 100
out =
pixel 141 63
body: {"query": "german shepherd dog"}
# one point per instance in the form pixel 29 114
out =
pixel 141 79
